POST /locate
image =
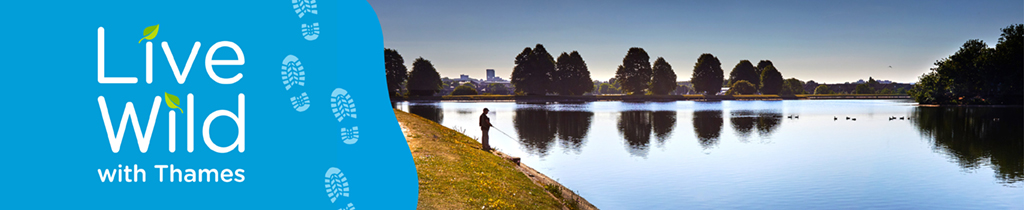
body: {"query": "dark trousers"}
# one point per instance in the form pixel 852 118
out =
pixel 484 139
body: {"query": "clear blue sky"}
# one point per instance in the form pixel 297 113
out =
pixel 824 41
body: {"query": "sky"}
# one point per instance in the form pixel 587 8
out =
pixel 824 41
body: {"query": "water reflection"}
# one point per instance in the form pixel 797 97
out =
pixel 635 127
pixel 431 112
pixel 767 122
pixel 976 136
pixel 538 129
pixel 707 124
pixel 573 127
pixel 663 123
pixel 744 122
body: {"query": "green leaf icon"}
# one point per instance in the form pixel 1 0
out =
pixel 173 102
pixel 150 32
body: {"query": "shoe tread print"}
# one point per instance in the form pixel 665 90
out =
pixel 292 72
pixel 301 102
pixel 342 104
pixel 311 31
pixel 302 7
pixel 350 136
pixel 336 184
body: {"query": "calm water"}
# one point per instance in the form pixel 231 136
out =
pixel 751 155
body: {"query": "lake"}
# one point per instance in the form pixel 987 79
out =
pixel 791 154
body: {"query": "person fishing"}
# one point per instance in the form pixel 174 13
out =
pixel 485 125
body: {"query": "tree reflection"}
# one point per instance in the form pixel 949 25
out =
pixel 743 123
pixel 431 112
pixel 974 136
pixel 573 127
pixel 767 122
pixel 663 123
pixel 635 127
pixel 708 126
pixel 536 130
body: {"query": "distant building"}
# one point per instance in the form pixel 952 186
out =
pixel 464 78
pixel 490 74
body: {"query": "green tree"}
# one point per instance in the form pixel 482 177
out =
pixel 771 80
pixel 533 71
pixel 464 90
pixel 744 70
pixel 886 91
pixel 822 89
pixel 634 75
pixel 741 87
pixel 571 75
pixel 397 74
pixel 793 86
pixel 497 88
pixel 607 88
pixel 663 78
pixel 760 68
pixel 707 75
pixel 864 89
pixel 423 79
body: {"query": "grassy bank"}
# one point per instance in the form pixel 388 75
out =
pixel 455 174
pixel 648 97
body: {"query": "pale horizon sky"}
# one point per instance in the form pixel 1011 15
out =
pixel 824 41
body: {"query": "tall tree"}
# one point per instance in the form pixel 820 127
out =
pixel 760 68
pixel 771 80
pixel 744 70
pixel 423 79
pixel 634 74
pixel 663 78
pixel 571 75
pixel 533 71
pixel 397 74
pixel 707 75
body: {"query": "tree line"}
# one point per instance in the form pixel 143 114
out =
pixel 536 72
pixel 977 74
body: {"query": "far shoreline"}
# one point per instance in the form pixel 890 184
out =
pixel 643 98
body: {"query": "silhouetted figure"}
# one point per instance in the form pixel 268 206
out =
pixel 485 124
pixel 834 118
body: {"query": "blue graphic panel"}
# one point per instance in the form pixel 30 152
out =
pixel 234 105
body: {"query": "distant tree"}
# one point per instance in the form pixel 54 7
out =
pixel 901 91
pixel 607 88
pixel 571 75
pixel 634 75
pixel 809 86
pixel 886 91
pixel 497 88
pixel 464 90
pixel 741 87
pixel 822 89
pixel 663 78
pixel 872 82
pixel 707 75
pixel 864 89
pixel 771 80
pixel 744 70
pixel 397 74
pixel 794 86
pixel 533 71
pixel 423 79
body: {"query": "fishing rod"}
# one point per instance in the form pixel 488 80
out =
pixel 503 132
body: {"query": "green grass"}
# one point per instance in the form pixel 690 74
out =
pixel 455 174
